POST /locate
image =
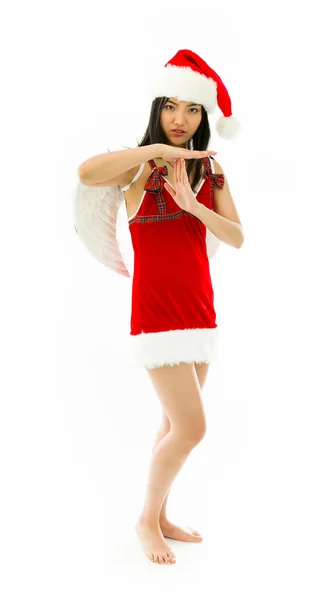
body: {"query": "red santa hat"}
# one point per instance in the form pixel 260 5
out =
pixel 187 77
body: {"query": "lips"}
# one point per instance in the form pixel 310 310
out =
pixel 178 130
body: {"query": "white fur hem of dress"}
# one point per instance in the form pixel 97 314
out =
pixel 172 347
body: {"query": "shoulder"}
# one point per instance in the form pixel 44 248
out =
pixel 218 167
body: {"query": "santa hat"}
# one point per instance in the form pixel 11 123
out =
pixel 187 77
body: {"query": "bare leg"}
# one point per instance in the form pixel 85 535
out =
pixel 161 433
pixel 179 392
pixel 167 459
pixel 202 370
pixel 168 528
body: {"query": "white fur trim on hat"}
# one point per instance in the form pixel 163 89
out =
pixel 185 84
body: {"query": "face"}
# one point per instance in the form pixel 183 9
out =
pixel 178 114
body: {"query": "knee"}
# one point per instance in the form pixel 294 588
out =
pixel 191 436
pixel 199 434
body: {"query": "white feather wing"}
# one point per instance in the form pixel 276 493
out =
pixel 99 222
pixel 212 244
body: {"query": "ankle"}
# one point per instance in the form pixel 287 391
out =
pixel 163 519
pixel 148 521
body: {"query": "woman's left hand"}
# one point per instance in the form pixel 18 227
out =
pixel 184 195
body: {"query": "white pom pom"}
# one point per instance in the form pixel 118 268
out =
pixel 227 127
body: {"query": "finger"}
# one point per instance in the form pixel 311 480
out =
pixel 179 170
pixel 182 170
pixel 176 171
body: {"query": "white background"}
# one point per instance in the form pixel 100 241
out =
pixel 77 419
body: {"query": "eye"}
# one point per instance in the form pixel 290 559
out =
pixel 170 106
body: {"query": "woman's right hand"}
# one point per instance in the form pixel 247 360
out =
pixel 171 153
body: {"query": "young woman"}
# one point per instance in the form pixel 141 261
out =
pixel 174 190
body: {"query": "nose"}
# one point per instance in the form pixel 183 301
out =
pixel 179 116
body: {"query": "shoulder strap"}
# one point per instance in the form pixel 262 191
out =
pixel 212 164
pixel 136 176
pixel 152 164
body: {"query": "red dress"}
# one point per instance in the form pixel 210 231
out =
pixel 173 318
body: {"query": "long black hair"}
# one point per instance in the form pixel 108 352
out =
pixel 155 135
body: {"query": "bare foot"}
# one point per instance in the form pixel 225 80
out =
pixel 170 530
pixel 154 544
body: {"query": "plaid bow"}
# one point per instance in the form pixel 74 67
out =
pixel 218 179
pixel 153 184
pixel 215 179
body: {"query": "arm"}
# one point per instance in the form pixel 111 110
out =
pixel 224 223
pixel 104 167
pixel 225 230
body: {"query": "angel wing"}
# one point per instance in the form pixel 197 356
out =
pixel 96 216
pixel 100 220
pixel 212 244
